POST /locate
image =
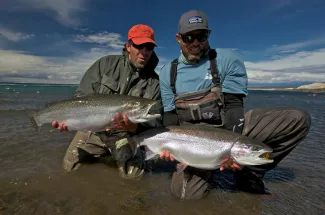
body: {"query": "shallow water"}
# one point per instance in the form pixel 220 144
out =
pixel 32 180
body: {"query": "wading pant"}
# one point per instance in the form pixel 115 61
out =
pixel 79 152
pixel 280 128
pixel 86 148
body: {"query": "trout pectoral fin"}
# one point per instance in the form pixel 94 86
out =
pixel 180 167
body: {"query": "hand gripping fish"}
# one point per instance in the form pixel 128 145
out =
pixel 203 147
pixel 93 113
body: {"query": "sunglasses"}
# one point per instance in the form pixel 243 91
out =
pixel 189 38
pixel 148 46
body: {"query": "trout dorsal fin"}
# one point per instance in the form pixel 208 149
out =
pixel 31 115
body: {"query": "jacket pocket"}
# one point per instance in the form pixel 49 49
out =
pixel 108 85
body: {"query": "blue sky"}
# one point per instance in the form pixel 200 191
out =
pixel 281 41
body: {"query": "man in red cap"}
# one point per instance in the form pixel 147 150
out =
pixel 131 73
pixel 140 36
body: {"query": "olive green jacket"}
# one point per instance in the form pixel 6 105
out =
pixel 115 74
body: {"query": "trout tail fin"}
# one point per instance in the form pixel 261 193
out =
pixel 32 118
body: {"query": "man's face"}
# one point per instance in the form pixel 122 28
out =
pixel 194 44
pixel 140 54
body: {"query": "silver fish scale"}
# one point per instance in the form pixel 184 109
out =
pixel 199 148
pixel 93 112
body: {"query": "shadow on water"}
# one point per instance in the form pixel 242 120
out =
pixel 223 180
pixel 280 174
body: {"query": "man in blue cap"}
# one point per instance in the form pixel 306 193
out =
pixel 207 86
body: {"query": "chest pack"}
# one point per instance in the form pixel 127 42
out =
pixel 205 106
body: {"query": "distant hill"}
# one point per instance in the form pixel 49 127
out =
pixel 314 86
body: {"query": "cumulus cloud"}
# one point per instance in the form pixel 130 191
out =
pixel 286 64
pixel 64 11
pixel 162 62
pixel 289 48
pixel 18 66
pixel 22 66
pixel 14 36
pixel 112 40
pixel 300 66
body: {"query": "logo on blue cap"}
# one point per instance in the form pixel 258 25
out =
pixel 195 19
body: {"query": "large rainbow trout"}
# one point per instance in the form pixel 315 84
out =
pixel 94 112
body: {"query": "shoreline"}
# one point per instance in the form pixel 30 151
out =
pixel 322 90
pixel 290 89
pixel 38 84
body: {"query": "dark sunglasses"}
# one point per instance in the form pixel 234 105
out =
pixel 149 46
pixel 189 38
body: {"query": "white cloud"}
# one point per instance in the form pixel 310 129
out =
pixel 112 40
pixel 301 66
pixel 162 62
pixel 289 48
pixel 14 36
pixel 21 66
pixel 64 11
pixel 18 66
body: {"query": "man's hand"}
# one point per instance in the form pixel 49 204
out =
pixel 165 155
pixel 123 123
pixel 228 162
pixel 60 127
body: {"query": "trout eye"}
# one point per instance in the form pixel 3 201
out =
pixel 255 148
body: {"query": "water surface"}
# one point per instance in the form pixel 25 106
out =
pixel 32 180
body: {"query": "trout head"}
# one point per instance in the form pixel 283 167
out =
pixel 138 111
pixel 247 151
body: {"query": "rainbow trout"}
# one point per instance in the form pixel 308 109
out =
pixel 202 146
pixel 94 112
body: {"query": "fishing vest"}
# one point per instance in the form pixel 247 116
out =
pixel 204 106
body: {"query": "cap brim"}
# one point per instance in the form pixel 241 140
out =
pixel 193 28
pixel 141 40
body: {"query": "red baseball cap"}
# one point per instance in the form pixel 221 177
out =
pixel 140 34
